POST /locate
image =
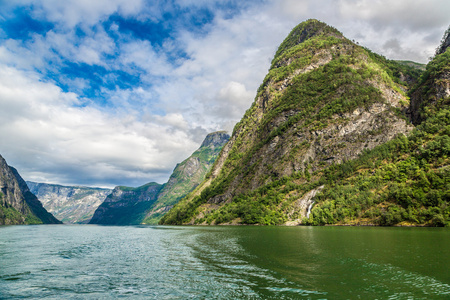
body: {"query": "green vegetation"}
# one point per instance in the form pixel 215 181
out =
pixel 434 79
pixel 127 205
pixel 305 31
pixel 412 64
pixel 10 216
pixel 445 43
pixel 186 177
pixel 341 82
pixel 404 181
pixel 148 203
pixel 318 78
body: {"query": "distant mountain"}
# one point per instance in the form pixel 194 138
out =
pixel 126 205
pixel 331 139
pixel 148 203
pixel 17 204
pixel 70 204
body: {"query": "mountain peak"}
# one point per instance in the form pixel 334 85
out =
pixel 215 139
pixel 304 31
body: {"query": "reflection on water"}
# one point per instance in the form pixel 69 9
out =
pixel 90 262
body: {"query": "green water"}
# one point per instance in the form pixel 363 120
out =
pixel 153 262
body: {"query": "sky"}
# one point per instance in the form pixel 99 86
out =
pixel 117 92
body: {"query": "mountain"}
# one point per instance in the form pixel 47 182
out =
pixel 126 205
pixel 330 111
pixel 187 175
pixel 148 203
pixel 432 93
pixel 70 204
pixel 405 181
pixel 17 204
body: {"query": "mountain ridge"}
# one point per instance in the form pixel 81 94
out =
pixel 18 204
pixel 70 204
pixel 324 101
pixel 146 206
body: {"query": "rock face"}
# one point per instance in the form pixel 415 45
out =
pixel 17 204
pixel 147 204
pixel 215 140
pixel 323 102
pixel 70 204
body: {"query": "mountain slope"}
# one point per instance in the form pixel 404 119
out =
pixel 70 204
pixel 324 101
pixel 433 91
pixel 147 204
pixel 17 204
pixel 126 205
pixel 407 180
pixel 187 175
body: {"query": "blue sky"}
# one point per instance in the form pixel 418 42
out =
pixel 117 92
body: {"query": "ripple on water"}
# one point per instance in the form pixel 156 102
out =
pixel 78 262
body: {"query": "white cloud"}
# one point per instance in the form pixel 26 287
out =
pixel 70 13
pixel 218 82
pixel 417 25
pixel 144 130
pixel 139 55
pixel 41 130
pixel 413 15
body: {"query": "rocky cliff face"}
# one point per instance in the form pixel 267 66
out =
pixel 11 197
pixel 323 102
pixel 215 140
pixel 17 204
pixel 70 204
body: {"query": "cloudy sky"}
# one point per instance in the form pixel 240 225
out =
pixel 116 92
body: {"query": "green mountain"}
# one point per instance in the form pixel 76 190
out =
pixel 70 204
pixel 328 140
pixel 187 175
pixel 126 205
pixel 405 181
pixel 148 203
pixel 17 204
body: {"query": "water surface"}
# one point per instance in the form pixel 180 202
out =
pixel 246 262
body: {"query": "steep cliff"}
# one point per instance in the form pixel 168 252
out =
pixel 17 204
pixel 432 94
pixel 187 175
pixel 324 101
pixel 70 204
pixel 405 181
pixel 445 43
